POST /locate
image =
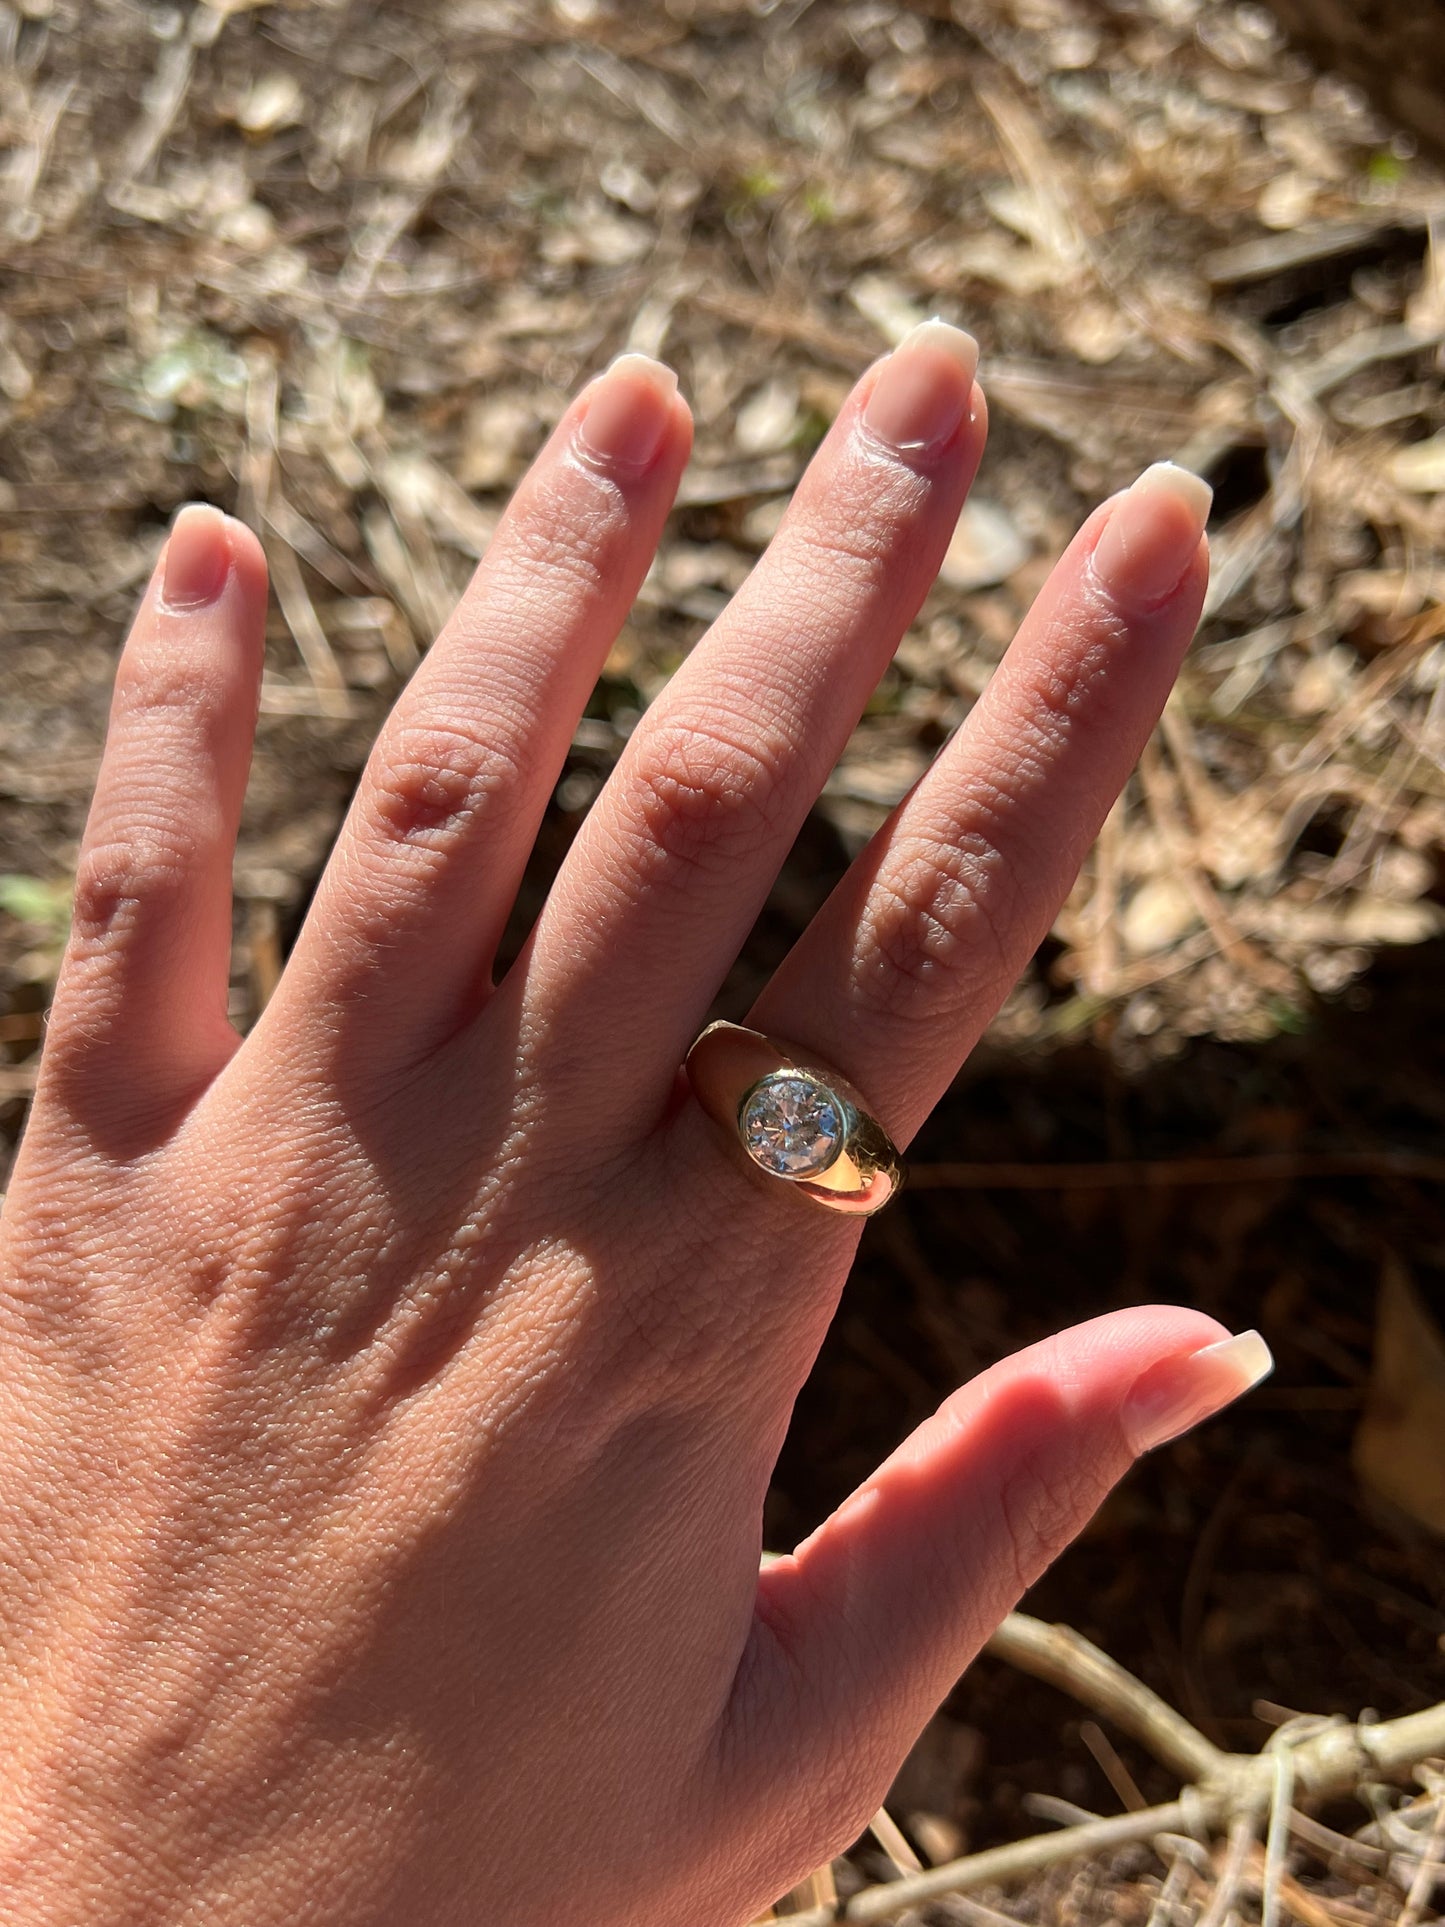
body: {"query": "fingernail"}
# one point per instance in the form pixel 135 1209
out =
pixel 628 413
pixel 921 397
pixel 1170 1397
pixel 1150 539
pixel 198 558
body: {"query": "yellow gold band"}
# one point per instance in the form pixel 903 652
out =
pixel 793 1119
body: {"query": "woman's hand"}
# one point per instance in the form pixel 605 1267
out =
pixel 388 1400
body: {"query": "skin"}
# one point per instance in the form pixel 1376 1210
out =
pixel 387 1401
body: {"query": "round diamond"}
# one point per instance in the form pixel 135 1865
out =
pixel 792 1126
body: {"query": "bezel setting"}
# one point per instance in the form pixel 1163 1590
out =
pixel 793 1125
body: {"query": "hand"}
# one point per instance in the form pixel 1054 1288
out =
pixel 389 1399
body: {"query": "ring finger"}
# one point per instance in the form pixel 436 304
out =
pixel 896 977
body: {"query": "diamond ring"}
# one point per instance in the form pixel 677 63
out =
pixel 794 1120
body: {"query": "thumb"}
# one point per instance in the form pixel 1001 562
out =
pixel 862 1631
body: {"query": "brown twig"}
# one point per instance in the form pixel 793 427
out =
pixel 1242 1843
pixel 1000 1864
pixel 1226 1789
pixel 1063 1658
pixel 1428 1872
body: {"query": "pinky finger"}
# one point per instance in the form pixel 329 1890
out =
pixel 139 1024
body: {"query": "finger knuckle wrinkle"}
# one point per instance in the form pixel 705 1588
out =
pixel 853 538
pixel 934 922
pixel 1076 679
pixel 433 781
pixel 848 562
pixel 120 882
pixel 575 527
pixel 171 685
pixel 702 802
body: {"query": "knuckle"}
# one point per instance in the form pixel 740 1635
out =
pixel 939 917
pixel 431 782
pixel 163 683
pixel 844 550
pixel 1076 666
pixel 700 802
pixel 577 520
pixel 856 554
pixel 666 1345
pixel 122 882
pixel 672 1334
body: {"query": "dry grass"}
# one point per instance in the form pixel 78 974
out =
pixel 1240 1840
pixel 339 265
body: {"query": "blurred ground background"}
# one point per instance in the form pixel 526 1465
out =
pixel 338 267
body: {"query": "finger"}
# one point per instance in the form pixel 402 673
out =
pixel 899 973
pixel 402 932
pixel 672 865
pixel 861 1632
pixel 139 1023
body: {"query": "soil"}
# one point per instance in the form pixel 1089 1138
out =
pixel 1393 48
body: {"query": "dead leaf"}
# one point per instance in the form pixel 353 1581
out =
pixel 1399 1447
pixel 1419 466
pixel 272 101
pixel 987 546
pixel 1158 914
pixel 767 419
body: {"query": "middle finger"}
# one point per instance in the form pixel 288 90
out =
pixel 672 866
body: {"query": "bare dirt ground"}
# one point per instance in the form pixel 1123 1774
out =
pixel 338 266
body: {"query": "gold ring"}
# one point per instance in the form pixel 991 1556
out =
pixel 793 1119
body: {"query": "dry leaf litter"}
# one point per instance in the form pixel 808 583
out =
pixel 338 267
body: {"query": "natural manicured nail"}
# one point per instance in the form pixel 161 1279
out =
pixel 198 558
pixel 1150 539
pixel 628 413
pixel 921 397
pixel 1170 1397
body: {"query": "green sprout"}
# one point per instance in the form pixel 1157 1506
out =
pixel 1385 168
pixel 33 900
pixel 43 905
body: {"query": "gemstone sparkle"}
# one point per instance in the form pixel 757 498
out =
pixel 792 1126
